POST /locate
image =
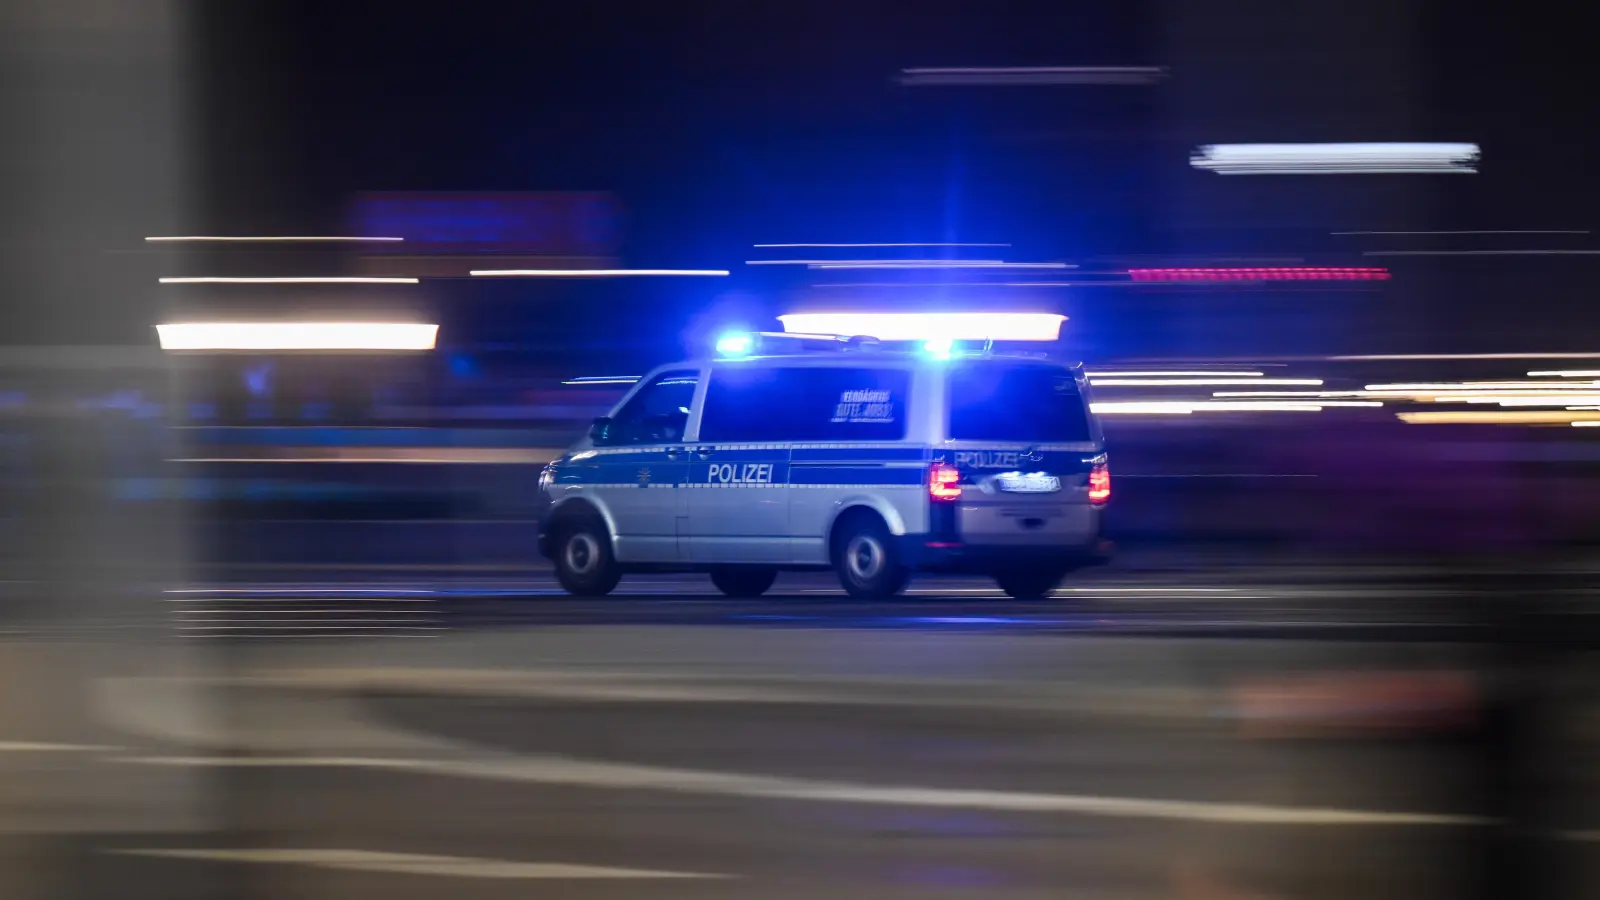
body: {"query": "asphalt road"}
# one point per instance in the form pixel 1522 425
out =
pixel 296 604
pixel 407 735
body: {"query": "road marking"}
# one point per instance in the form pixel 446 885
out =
pixel 411 863
pixel 666 687
pixel 44 747
pixel 583 773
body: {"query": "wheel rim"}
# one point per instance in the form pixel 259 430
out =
pixel 864 557
pixel 582 554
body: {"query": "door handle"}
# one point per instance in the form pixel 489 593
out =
pixel 703 452
pixel 674 452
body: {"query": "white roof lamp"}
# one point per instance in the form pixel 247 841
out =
pixel 944 328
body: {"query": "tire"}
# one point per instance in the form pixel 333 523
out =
pixel 744 582
pixel 1029 584
pixel 865 560
pixel 584 563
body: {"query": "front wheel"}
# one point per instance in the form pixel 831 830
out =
pixel 864 557
pixel 744 582
pixel 585 565
pixel 1029 584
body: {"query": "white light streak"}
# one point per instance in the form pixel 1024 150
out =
pixel 1395 357
pixel 1185 407
pixel 1493 417
pixel 1176 374
pixel 871 262
pixel 1480 386
pixel 1566 373
pixel 1586 424
pixel 270 239
pixel 957 264
pixel 793 246
pixel 1199 382
pixel 312 279
pixel 1528 231
pixel 1336 159
pixel 591 273
pixel 296 336
pixel 619 379
pixel 1481 253
pixel 930 326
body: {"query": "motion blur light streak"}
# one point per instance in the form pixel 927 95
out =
pixel 1184 407
pixel 1174 374
pixel 1031 75
pixel 287 239
pixel 1291 273
pixel 603 379
pixel 1399 357
pixel 1566 373
pixel 868 262
pixel 959 264
pixel 1472 417
pixel 1529 231
pixel 982 284
pixel 1337 159
pixel 787 246
pixel 1482 253
pixel 590 273
pixel 1198 382
pixel 334 279
pixel 1480 386
pixel 930 326
pixel 296 336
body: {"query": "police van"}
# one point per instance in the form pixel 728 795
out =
pixel 833 452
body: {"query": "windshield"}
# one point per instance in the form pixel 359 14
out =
pixel 1010 401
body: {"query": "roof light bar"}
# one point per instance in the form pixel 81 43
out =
pixel 930 326
pixel 296 336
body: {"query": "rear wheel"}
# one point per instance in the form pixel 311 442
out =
pixel 744 582
pixel 1029 584
pixel 585 565
pixel 864 557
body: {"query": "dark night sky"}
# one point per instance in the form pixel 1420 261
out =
pixel 723 124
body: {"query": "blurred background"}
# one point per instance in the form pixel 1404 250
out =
pixel 273 616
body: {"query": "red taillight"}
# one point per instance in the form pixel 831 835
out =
pixel 944 483
pixel 1099 484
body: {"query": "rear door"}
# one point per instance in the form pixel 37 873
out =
pixel 1021 435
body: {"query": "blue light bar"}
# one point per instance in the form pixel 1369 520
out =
pixel 735 345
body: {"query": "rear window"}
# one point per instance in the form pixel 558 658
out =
pixel 1025 402
pixel 809 404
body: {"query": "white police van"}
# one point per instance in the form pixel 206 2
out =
pixel 855 456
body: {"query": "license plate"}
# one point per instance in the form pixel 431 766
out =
pixel 1028 483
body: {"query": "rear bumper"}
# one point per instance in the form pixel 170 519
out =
pixel 935 553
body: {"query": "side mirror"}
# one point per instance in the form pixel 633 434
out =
pixel 600 429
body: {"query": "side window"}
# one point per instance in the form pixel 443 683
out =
pixel 811 404
pixel 657 414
